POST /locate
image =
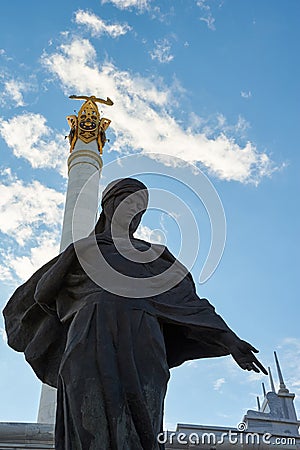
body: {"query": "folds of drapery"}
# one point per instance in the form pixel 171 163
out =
pixel 191 327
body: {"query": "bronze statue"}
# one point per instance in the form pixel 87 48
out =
pixel 88 126
pixel 108 354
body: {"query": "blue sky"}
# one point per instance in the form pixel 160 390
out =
pixel 215 83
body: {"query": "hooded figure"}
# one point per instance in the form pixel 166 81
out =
pixel 105 321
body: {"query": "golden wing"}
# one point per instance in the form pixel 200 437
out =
pixel 94 99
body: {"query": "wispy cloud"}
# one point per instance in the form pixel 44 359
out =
pixel 140 5
pixel 98 26
pixel 149 235
pixel 245 94
pixel 162 51
pixel 217 124
pixel 194 364
pixel 209 20
pixel 219 383
pixel 207 14
pixel 142 119
pixel 23 266
pixel 29 137
pixel 13 89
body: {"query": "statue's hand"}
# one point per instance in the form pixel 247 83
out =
pixel 243 353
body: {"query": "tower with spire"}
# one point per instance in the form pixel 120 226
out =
pixel 273 424
pixel 276 413
pixel 87 138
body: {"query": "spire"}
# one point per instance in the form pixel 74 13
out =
pixel 271 380
pixel 258 403
pixel 282 386
pixel 264 389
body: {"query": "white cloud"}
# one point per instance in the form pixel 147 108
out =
pixel 210 22
pixel 98 26
pixel 245 94
pixel 149 235
pixel 217 124
pixel 23 207
pixel 5 272
pixel 254 376
pixel 203 5
pixel 140 5
pixel 162 51
pixel 142 121
pixel 194 364
pixel 3 335
pixel 208 17
pixel 13 89
pixel 30 218
pixel 219 383
pixel 24 266
pixel 29 137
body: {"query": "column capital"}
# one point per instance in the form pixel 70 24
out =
pixel 85 156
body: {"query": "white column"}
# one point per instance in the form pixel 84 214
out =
pixel 84 163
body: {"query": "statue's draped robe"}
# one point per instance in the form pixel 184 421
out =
pixel 109 356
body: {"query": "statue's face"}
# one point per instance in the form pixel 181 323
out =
pixel 125 210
